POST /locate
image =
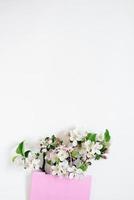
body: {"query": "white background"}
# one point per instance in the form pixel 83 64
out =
pixel 63 64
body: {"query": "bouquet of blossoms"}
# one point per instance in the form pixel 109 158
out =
pixel 70 156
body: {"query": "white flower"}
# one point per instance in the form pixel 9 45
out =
pixel 75 136
pixel 49 141
pixel 56 170
pixel 44 143
pixel 100 137
pixel 86 150
pixel 31 162
pixel 79 173
pixel 19 160
pixel 89 149
pixel 60 169
pixel 64 167
pixel 96 148
pixel 74 172
pixel 58 154
pixel 86 146
pixel 90 155
pixel 64 164
pixel 52 156
pixel 77 163
pixel 44 150
pixel 69 158
pixel 62 155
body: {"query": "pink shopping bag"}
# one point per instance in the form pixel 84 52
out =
pixel 47 187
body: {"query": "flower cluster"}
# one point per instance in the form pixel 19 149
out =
pixel 71 158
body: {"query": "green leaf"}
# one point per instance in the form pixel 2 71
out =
pixel 26 153
pixel 91 136
pixel 103 150
pixel 107 136
pixel 37 154
pixel 57 161
pixel 49 162
pixel 97 157
pixel 13 159
pixel 47 138
pixel 53 138
pixel 51 146
pixel 20 149
pixel 75 154
pixel 83 167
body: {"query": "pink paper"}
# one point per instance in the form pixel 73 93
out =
pixel 47 187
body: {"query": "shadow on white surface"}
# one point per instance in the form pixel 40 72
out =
pixel 28 186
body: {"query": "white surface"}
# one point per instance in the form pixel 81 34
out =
pixel 67 63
